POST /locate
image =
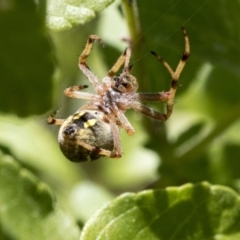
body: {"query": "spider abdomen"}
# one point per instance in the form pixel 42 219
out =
pixel 83 134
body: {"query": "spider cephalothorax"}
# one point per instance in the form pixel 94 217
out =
pixel 93 131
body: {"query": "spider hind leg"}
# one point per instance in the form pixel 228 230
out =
pixel 175 74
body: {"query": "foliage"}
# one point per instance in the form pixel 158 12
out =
pixel 27 207
pixel 199 143
pixel 189 212
pixel 26 59
pixel 63 14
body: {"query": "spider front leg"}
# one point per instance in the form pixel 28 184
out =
pixel 175 74
pixel 125 82
pixel 83 65
pixel 125 57
pixel 87 49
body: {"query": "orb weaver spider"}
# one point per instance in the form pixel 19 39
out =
pixel 93 131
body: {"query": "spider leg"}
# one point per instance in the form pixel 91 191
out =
pixel 83 65
pixel 151 97
pixel 125 57
pixel 100 151
pixel 73 92
pixel 125 82
pixel 117 151
pixel 54 121
pixel 127 67
pixel 118 117
pixel 175 74
pixel 148 111
pixel 123 122
pixel 87 49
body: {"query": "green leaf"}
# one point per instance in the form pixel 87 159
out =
pixel 64 14
pixel 85 193
pixel 200 211
pixel 27 209
pixel 26 60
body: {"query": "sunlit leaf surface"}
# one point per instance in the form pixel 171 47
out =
pixel 63 14
pixel 27 207
pixel 200 211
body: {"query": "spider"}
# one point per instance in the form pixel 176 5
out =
pixel 93 131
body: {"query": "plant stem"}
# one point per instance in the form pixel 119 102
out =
pixel 130 10
pixel 131 13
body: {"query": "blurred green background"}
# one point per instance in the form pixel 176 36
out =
pixel 201 140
